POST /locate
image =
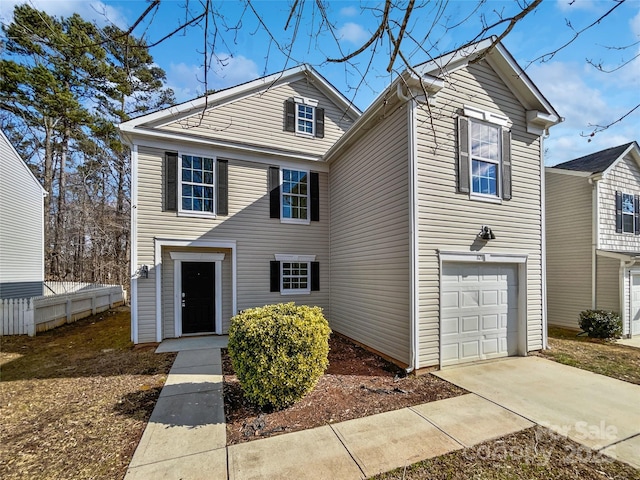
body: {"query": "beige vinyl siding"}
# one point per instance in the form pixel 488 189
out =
pixel 569 200
pixel 21 234
pixel 258 237
pixel 370 238
pixel 608 283
pixel 450 221
pixel 258 119
pixel 624 177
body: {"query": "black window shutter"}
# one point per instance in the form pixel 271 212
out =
pixel 315 276
pixel 320 122
pixel 315 197
pixel 275 276
pixel 636 214
pixel 506 164
pixel 171 181
pixel 222 187
pixel 274 192
pixel 463 154
pixel 618 212
pixel 289 116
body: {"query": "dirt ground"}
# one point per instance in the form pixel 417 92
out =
pixel 74 401
pixel 356 384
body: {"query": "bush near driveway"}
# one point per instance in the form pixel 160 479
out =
pixel 601 324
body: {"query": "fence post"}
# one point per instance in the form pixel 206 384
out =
pixel 68 309
pixel 93 303
pixel 29 320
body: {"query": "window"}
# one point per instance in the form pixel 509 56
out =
pixel 485 159
pixel 484 156
pixel 196 184
pixel 628 212
pixel 295 274
pixel 295 195
pixel 304 119
pixel 295 277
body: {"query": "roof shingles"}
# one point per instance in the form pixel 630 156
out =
pixel 595 162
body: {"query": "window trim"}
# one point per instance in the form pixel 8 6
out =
pixel 299 221
pixel 197 213
pixel 300 259
pixel 307 102
pixel 632 214
pixel 486 197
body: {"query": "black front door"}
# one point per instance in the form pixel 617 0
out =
pixel 198 299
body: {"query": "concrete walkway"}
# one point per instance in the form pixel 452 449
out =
pixel 630 342
pixel 186 439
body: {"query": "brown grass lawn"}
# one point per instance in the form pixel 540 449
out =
pixel 74 401
pixel 606 358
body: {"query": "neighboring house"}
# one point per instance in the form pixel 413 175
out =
pixel 21 227
pixel 380 225
pixel 593 236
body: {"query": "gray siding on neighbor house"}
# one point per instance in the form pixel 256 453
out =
pixel 569 230
pixel 258 237
pixel 450 221
pixel 21 228
pixel 370 237
pixel 623 177
pixel 258 119
pixel 608 280
pixel 21 289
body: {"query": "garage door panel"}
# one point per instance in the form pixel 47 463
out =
pixel 482 324
pixel 635 305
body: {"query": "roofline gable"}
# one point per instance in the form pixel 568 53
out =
pixel 540 113
pixel 192 106
pixel 632 149
pixel 24 164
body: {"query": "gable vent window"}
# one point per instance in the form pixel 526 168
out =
pixel 627 213
pixel 303 117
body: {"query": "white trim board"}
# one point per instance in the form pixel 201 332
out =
pixel 173 242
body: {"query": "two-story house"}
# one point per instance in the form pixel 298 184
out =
pixel 417 226
pixel 593 236
pixel 21 228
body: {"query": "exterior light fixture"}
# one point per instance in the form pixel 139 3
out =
pixel 486 233
pixel 144 271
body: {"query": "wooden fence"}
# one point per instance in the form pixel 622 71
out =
pixel 27 316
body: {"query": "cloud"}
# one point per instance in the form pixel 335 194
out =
pixel 352 32
pixel 348 12
pixel 187 81
pixel 93 11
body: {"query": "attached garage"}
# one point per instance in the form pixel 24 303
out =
pixel 635 304
pixel 480 311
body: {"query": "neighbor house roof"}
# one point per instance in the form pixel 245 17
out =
pixel 597 162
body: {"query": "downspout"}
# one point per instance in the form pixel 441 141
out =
pixel 134 244
pixel 595 240
pixel 413 232
pixel 543 205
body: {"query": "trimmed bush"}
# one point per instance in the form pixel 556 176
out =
pixel 601 324
pixel 279 352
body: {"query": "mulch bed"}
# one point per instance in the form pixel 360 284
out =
pixel 357 383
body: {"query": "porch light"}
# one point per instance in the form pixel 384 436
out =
pixel 486 233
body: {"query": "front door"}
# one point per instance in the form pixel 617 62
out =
pixel 198 297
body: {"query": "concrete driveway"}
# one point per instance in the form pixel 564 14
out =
pixel 594 410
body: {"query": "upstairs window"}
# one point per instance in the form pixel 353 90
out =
pixel 197 184
pixel 295 195
pixel 627 213
pixel 303 117
pixel 484 156
pixel 485 159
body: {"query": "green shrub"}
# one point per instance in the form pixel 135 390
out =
pixel 279 352
pixel 601 324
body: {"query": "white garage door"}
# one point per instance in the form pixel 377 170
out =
pixel 479 312
pixel 635 305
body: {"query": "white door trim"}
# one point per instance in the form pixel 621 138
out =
pixel 178 258
pixel 173 242
pixel 492 258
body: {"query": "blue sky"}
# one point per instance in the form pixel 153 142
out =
pixel 581 94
